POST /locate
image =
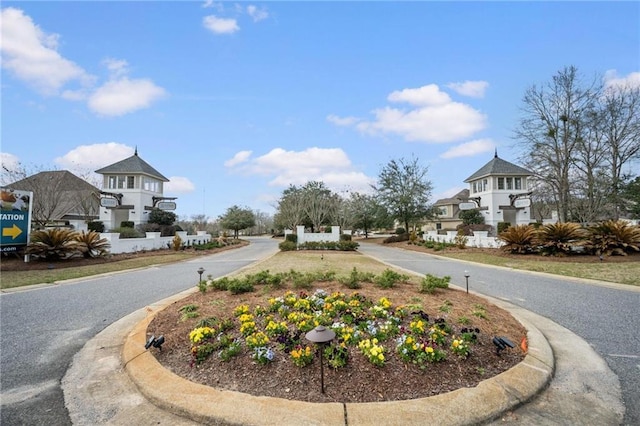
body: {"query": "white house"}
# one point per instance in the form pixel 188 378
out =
pixel 500 190
pixel 131 189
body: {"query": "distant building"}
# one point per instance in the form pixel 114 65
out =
pixel 500 190
pixel 60 199
pixel 131 189
pixel 447 210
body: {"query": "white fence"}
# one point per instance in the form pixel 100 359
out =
pixel 304 237
pixel 153 241
pixel 478 239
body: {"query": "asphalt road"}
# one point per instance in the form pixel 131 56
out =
pixel 607 317
pixel 41 329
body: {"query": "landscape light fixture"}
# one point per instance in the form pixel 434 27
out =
pixel 200 272
pixel 320 335
pixel 502 343
pixel 466 276
pixel 154 341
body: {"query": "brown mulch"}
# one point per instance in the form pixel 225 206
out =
pixel 359 381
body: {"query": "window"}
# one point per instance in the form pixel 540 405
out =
pixel 130 182
pixel 151 185
pixel 443 211
pixel 484 185
pixel 475 187
pixel 509 183
pixel 113 183
pixel 500 183
pixel 517 182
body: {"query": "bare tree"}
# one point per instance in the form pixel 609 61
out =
pixel 319 203
pixel 290 208
pixel 552 126
pixel 618 124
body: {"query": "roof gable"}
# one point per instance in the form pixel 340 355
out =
pixel 499 167
pixel 456 199
pixel 132 165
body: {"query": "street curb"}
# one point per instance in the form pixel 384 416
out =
pixel 466 406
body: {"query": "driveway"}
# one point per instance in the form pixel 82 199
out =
pixel 605 315
pixel 42 329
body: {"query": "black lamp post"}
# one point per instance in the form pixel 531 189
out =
pixel 200 272
pixel 466 275
pixel 320 335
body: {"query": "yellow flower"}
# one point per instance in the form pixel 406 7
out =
pixel 381 357
pixel 429 349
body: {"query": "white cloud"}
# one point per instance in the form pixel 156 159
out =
pixel 342 121
pixel 179 185
pixel 256 13
pixel 474 89
pixel 469 149
pixel 433 117
pixel 119 97
pixel 220 25
pixel 9 161
pixel 117 67
pixel 93 157
pixel 32 56
pixel 432 124
pixel 239 158
pixel 329 165
pixel 612 80
pixel 425 95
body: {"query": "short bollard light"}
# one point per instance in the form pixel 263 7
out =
pixel 466 276
pixel 502 343
pixel 154 341
pixel 200 272
pixel 321 335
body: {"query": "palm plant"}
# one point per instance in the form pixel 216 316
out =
pixel 518 239
pixel 52 244
pixel 613 237
pixel 91 245
pixel 558 238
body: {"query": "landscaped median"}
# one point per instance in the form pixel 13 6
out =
pixel 206 404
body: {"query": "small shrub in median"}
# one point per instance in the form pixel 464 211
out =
pixel 430 283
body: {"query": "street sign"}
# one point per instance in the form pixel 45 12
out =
pixel 522 203
pixel 167 205
pixel 15 218
pixel 108 202
pixel 467 206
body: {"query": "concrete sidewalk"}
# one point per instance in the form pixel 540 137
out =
pixel 562 381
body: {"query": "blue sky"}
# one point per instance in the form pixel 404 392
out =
pixel 235 101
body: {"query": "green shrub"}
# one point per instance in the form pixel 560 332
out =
pixel 238 286
pixel 287 246
pixel 128 232
pixel 221 284
pixel 503 226
pixel 345 237
pixel 91 245
pixel 348 245
pixel 400 231
pixel 53 244
pixel 518 239
pixel 396 238
pixel 613 237
pixel 558 238
pixel 96 226
pixel 126 224
pixel 430 282
pixel 389 278
pixel 291 237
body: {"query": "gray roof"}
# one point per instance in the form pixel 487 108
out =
pixel 499 167
pixel 456 199
pixel 133 164
pixel 59 193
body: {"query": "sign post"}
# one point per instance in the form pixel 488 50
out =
pixel 15 219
